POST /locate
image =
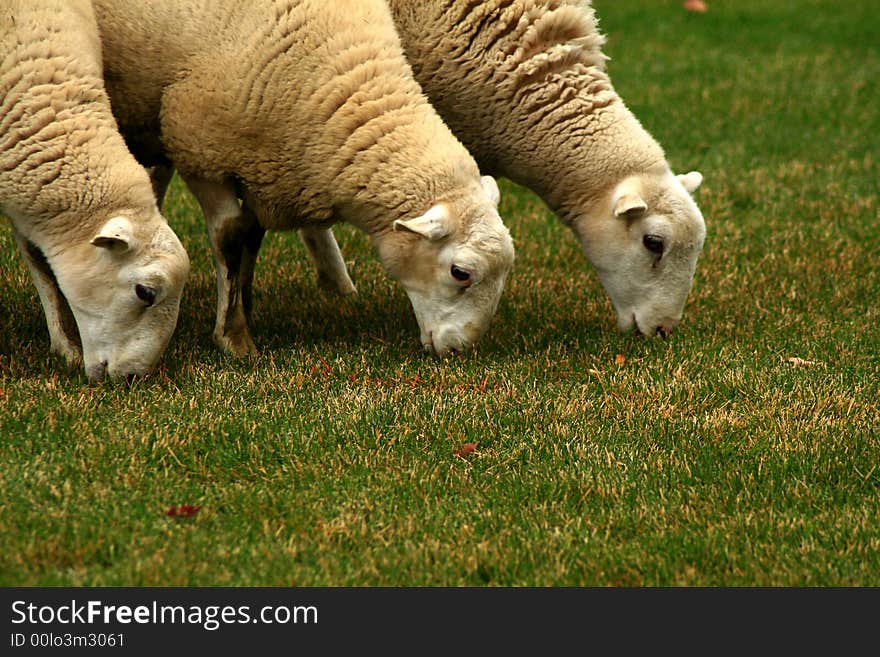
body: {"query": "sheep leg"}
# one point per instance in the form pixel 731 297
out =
pixel 324 251
pixel 253 238
pixel 63 332
pixel 228 230
pixel 160 178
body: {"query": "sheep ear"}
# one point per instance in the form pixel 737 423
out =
pixel 691 181
pixel 434 224
pixel 115 235
pixel 629 205
pixel 491 189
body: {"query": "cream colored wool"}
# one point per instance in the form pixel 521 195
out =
pixel 109 270
pixel 309 112
pixel 523 84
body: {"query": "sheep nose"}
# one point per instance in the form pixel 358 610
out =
pixel 663 331
pixel 449 342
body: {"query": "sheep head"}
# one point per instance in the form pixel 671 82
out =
pixel 644 236
pixel 453 261
pixel 123 287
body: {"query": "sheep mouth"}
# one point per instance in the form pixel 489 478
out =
pixel 447 352
pixel 96 372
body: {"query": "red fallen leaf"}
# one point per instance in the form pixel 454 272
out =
pixel 695 5
pixel 465 449
pixel 619 359
pixel 182 511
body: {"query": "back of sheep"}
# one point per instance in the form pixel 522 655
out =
pixel 526 76
pixel 340 98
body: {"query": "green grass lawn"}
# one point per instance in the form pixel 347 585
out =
pixel 706 459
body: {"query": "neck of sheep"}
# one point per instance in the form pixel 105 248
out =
pixel 614 145
pixel 407 163
pixel 523 85
pixel 58 169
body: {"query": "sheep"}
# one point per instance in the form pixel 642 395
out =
pixel 280 114
pixel 108 269
pixel 522 83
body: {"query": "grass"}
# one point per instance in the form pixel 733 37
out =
pixel 708 459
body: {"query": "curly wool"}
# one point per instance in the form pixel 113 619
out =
pixel 564 131
pixel 63 165
pixel 337 121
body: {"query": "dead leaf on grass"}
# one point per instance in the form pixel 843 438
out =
pixel 695 5
pixel 182 511
pixel 619 359
pixel 465 449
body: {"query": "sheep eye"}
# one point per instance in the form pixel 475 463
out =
pixel 653 243
pixel 460 274
pixel 145 293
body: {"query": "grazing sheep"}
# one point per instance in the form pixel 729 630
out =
pixel 308 112
pixel 109 270
pixel 522 84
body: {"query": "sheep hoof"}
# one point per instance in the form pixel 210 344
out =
pixel 341 286
pixel 240 345
pixel 69 351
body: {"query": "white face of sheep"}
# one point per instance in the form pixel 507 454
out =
pixel 453 262
pixel 644 239
pixel 124 288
